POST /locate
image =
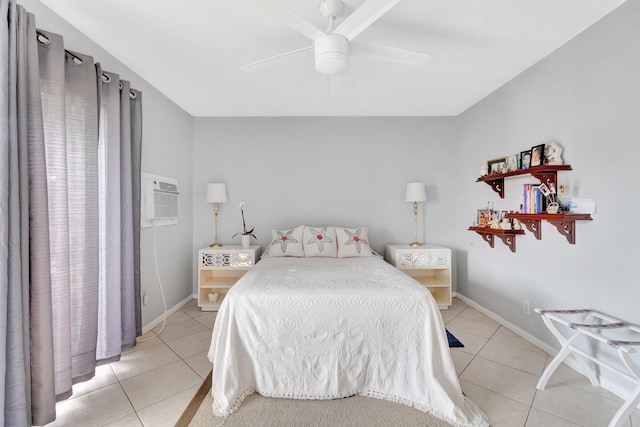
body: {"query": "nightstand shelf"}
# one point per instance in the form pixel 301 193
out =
pixel 429 264
pixel 219 269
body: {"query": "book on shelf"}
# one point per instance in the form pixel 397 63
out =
pixel 533 199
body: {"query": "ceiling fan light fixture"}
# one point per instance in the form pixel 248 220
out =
pixel 331 54
pixel 332 63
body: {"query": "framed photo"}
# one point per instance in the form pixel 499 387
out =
pixel 537 155
pixel 525 159
pixel 545 190
pixel 513 163
pixel 484 216
pixel 552 154
pixel 497 166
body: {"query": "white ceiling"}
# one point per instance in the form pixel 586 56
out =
pixel 191 50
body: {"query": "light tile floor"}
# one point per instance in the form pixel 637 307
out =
pixel 153 382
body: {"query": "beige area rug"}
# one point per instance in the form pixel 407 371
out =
pixel 350 412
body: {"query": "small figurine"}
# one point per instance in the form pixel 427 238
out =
pixel 552 154
pixel 553 208
pixel 495 223
pixel 517 225
pixel 505 224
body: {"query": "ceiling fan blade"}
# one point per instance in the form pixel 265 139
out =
pixel 362 17
pixel 255 66
pixel 288 16
pixel 387 53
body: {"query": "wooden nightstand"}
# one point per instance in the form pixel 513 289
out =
pixel 428 264
pixel 219 269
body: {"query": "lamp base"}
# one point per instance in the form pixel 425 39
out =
pixel 415 244
pixel 215 245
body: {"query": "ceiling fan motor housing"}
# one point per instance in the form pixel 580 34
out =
pixel 332 54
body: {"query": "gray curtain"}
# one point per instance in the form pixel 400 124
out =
pixel 81 101
pixel 109 308
pixel 136 173
pixel 42 387
pixel 128 174
pixel 120 139
pixel 24 244
pixel 69 229
pixel 12 257
pixel 69 100
pixel 51 52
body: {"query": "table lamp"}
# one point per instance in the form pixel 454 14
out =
pixel 216 193
pixel 415 193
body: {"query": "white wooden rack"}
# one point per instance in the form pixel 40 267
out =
pixel 596 326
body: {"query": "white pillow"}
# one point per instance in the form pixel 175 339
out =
pixel 353 242
pixel 320 241
pixel 286 242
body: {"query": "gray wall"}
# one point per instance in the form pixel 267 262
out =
pixel 166 150
pixel 323 171
pixel 584 96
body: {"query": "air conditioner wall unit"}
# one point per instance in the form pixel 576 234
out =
pixel 160 200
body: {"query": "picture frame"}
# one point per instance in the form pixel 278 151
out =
pixel 513 163
pixel 525 159
pixel 485 215
pixel 497 166
pixel 537 155
pixel 553 154
pixel 546 192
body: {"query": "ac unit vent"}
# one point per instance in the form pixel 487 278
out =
pixel 161 200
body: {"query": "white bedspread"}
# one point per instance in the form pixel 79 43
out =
pixel 318 328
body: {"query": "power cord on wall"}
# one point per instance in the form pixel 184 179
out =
pixel 164 301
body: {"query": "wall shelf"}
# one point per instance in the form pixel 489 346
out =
pixel 546 174
pixel 565 223
pixel 508 237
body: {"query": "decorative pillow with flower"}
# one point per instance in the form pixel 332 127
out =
pixel 286 243
pixel 353 242
pixel 320 242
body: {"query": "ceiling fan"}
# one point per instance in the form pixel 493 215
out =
pixel 333 47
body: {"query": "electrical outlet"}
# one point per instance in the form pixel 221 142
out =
pixel 525 307
pixel 145 300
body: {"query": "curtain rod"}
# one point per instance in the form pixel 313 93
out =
pixel 43 39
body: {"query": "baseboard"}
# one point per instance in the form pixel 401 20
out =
pixel 513 328
pixel 155 322
pixel 605 382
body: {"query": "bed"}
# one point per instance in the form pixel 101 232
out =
pixel 328 328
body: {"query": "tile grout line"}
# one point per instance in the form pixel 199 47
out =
pixel 194 371
pixel 164 366
pixel 477 355
pixel 161 342
pixel 135 411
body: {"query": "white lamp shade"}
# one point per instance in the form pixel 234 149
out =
pixel 416 192
pixel 216 193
